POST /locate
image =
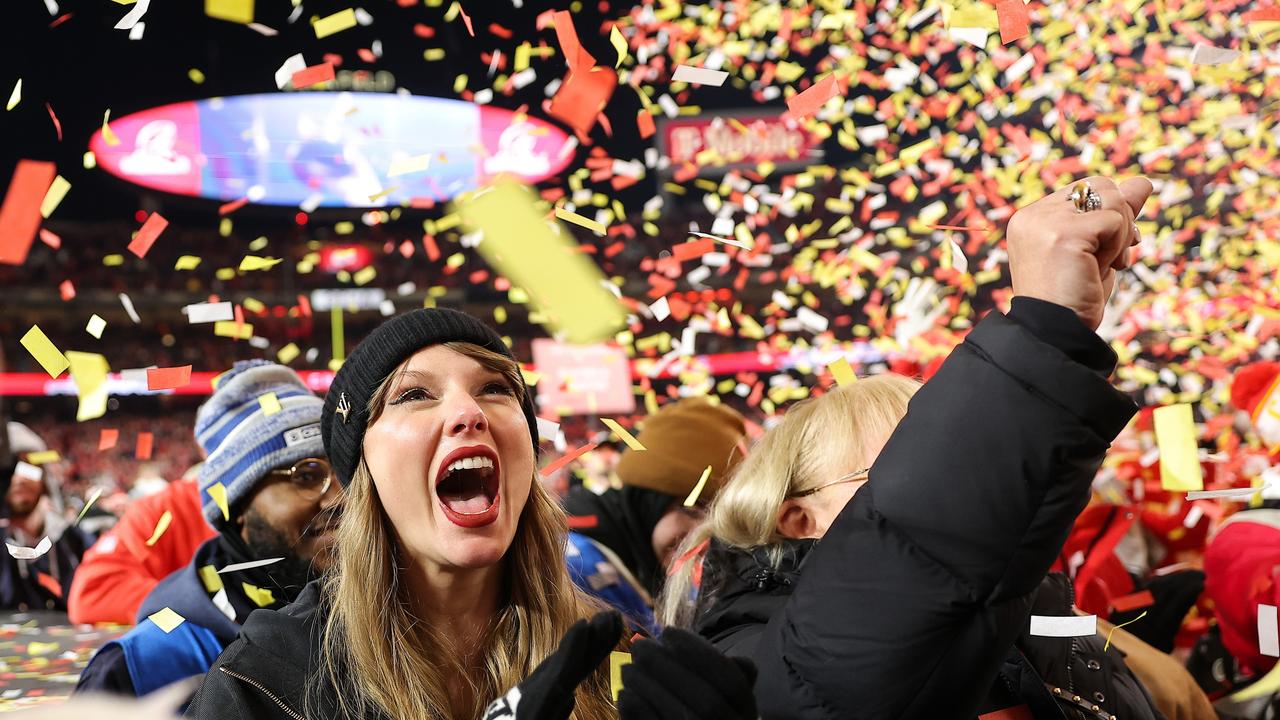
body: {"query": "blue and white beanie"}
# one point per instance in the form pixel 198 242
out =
pixel 243 442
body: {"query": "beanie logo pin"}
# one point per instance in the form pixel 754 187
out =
pixel 343 408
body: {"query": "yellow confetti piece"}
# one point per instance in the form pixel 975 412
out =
pixel 43 457
pixel 210 578
pixel 36 649
pixel 44 351
pixel 841 371
pixel 1116 627
pixel 90 160
pixel 561 282
pixel 228 328
pixel 616 661
pixel 1179 454
pixel 108 135
pixel 697 489
pixel 236 11
pixel 270 403
pixel 531 378
pixel 619 44
pixel 287 353
pixel 53 197
pixel 89 371
pixel 379 195
pixel 415 164
pixel 93 497
pixel 253 305
pixel 253 262
pixel 365 275
pixel 262 597
pixel 166 619
pixel 96 326
pixel 335 23
pixel 187 262
pixel 196 76
pixel 15 97
pixel 218 493
pixel 336 331
pixel 576 219
pixel 161 526
pixel 623 435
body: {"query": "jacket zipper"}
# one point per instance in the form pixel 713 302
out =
pixel 280 703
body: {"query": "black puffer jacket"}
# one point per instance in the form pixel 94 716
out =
pixel 913 599
pixel 745 589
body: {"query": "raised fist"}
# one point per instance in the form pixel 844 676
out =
pixel 1064 256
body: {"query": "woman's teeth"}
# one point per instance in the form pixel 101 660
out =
pixel 471 463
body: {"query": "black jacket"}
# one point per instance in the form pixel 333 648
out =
pixel 263 674
pixel 748 587
pixel 913 599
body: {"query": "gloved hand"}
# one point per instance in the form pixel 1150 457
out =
pixel 683 677
pixel 547 694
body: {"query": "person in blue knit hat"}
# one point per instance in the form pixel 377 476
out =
pixel 269 491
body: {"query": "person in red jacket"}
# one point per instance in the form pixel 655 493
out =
pixel 121 569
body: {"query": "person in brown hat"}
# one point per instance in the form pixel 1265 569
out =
pixel 638 527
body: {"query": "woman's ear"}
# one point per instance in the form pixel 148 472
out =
pixel 795 522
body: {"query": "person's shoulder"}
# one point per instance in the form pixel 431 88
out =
pixel 293 630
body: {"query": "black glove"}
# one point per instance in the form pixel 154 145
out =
pixel 547 694
pixel 683 677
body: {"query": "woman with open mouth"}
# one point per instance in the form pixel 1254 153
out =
pixel 449 586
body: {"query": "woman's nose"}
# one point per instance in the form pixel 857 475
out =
pixel 466 416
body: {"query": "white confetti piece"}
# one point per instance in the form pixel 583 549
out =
pixel 249 565
pixel 661 309
pixel 1209 55
pixel 285 73
pixel 209 312
pixel 1239 493
pixel 26 553
pixel 28 471
pixel 1064 626
pixel 128 307
pixel 547 429
pixel 135 14
pixel 699 76
pixel 1268 642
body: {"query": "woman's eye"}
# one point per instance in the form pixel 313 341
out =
pixel 497 388
pixel 410 395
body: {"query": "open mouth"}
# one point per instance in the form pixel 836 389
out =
pixel 467 486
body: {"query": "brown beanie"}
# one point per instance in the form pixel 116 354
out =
pixel 681 440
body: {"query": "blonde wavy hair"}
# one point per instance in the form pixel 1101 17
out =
pixel 818 439
pixel 382 658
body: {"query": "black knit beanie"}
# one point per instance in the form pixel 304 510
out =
pixel 346 407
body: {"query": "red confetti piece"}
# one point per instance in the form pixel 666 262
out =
pixel 810 101
pixel 1133 602
pixel 59 20
pixel 313 75
pixel 644 121
pixel 574 54
pixel 1015 21
pixel 691 250
pixel 67 290
pixel 20 213
pixel 49 238
pixel 500 31
pixel 466 20
pixel 582 522
pixel 143 449
pixel 57 125
pixel 147 234
pixel 168 378
pixel 583 95
pixel 234 205
pixel 1270 14
pixel 107 438
pixel 568 457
